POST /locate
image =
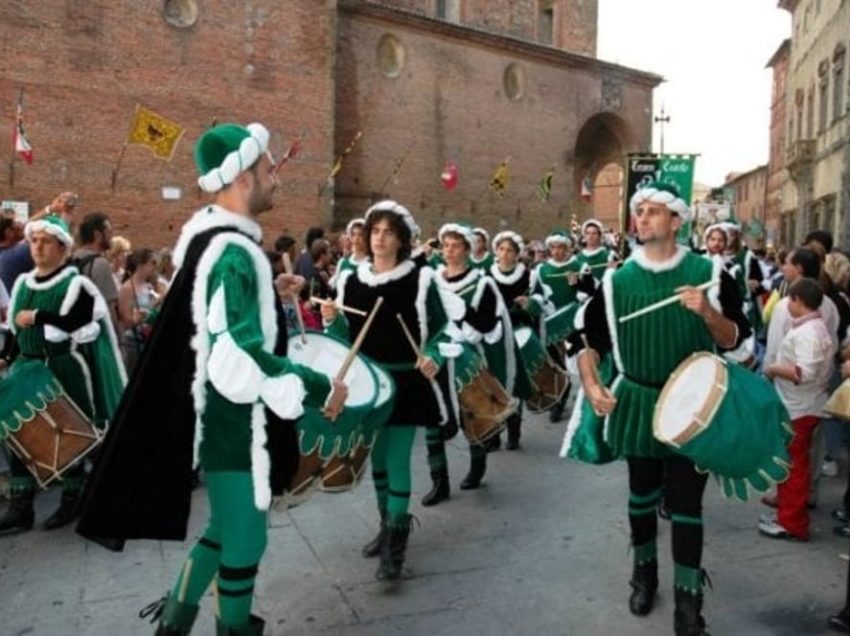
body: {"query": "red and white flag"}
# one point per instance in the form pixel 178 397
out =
pixel 22 144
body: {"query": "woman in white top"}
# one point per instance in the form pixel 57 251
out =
pixel 137 298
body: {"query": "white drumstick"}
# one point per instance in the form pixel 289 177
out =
pixel 328 301
pixel 663 303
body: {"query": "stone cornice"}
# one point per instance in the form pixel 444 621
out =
pixel 558 57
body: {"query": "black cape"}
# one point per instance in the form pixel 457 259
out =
pixel 141 484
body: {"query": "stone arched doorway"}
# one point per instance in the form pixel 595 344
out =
pixel 601 143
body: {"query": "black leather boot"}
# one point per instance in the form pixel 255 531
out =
pixel 477 468
pixel 373 548
pixel 644 586
pixel 440 491
pixel 69 508
pixel 20 515
pixel 254 627
pixel 514 422
pixel 687 619
pixel 393 550
pixel 175 618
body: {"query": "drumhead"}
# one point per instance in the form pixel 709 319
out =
pixel 522 336
pixel 690 395
pixel 325 354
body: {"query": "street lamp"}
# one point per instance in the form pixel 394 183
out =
pixel 662 119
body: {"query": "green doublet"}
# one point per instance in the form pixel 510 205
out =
pixel 484 263
pixel 69 366
pixel 648 348
pixel 550 282
pixel 596 260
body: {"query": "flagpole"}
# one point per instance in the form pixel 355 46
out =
pixel 15 138
pixel 397 168
pixel 118 164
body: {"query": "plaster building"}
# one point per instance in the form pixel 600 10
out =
pixel 818 99
pixel 777 175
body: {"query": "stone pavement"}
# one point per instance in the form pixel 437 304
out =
pixel 542 549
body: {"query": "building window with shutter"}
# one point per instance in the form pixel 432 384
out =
pixel 546 22
pixel 838 86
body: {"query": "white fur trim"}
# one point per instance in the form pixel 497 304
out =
pixel 507 279
pixel 713 293
pixel 479 260
pixel 593 252
pixel 456 228
pixel 597 224
pixel 572 424
pixel 32 283
pixel 217 313
pixel 426 277
pixel 369 277
pixel 481 231
pixel 515 238
pixel 388 205
pixel 237 161
pixel 260 462
pixel 40 225
pixel 607 427
pixel 207 218
pixel 86 333
pixel 450 350
pixel 354 222
pixel 610 315
pixel 84 367
pixel 640 259
pixel 470 334
pixel 559 239
pixel 675 204
pixel 472 274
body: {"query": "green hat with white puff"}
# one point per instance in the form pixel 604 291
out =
pixel 53 225
pixel 226 150
pixel 559 237
pixel 462 229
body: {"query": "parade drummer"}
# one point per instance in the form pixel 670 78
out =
pixel 594 257
pixel 355 232
pixel 512 279
pixel 646 350
pixel 749 275
pixel 414 313
pixel 555 284
pixel 486 326
pixel 227 399
pixel 481 256
pixel 59 318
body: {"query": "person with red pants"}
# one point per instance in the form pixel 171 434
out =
pixel 801 376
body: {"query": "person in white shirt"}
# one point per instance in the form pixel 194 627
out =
pixel 800 374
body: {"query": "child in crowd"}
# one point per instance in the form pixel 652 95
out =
pixel 801 375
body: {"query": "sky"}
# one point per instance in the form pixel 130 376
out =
pixel 712 55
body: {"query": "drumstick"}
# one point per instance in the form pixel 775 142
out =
pixel 409 335
pixel 663 303
pixel 327 301
pixel 349 359
pixel 287 266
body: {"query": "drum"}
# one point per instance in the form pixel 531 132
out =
pixel 560 324
pixel 319 440
pixel 706 413
pixel 485 405
pixel 344 472
pixel 549 383
pixel 41 424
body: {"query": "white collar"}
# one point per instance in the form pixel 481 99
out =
pixel 553 263
pixel 369 277
pixel 207 218
pixel 472 274
pixel 640 259
pixel 507 279
pixel 479 260
pixel 588 252
pixel 33 284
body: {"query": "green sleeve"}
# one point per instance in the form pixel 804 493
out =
pixel 437 320
pixel 338 328
pixel 235 272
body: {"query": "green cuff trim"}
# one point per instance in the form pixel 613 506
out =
pixel 687 579
pixel 651 498
pixel 646 553
pixel 642 511
pixel 693 521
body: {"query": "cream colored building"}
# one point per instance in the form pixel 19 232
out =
pixel 817 116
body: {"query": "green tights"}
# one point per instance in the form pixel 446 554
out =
pixel 391 471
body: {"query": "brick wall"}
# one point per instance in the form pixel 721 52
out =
pixel 449 103
pixel 85 64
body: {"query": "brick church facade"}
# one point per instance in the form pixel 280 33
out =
pixel 473 82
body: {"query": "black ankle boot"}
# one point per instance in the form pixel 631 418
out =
pixel 688 620
pixel 494 443
pixel 20 515
pixel 254 627
pixel 514 422
pixel 440 490
pixel 69 508
pixel 477 468
pixel 393 550
pixel 644 586
pixel 373 548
